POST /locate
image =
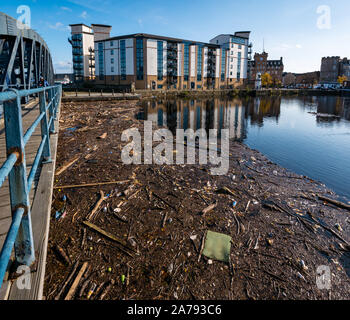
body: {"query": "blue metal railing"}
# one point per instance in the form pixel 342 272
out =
pixel 20 236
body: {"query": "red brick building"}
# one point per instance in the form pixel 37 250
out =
pixel 262 65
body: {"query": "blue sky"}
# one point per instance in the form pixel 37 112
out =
pixel 289 28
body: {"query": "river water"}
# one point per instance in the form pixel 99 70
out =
pixel 286 130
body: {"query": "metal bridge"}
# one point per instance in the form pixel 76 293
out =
pixel 24 56
pixel 28 143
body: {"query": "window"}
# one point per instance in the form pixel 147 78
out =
pixel 160 60
pixel 239 46
pixel 239 64
pixel 112 60
pixel 112 69
pixel 122 60
pixel 199 63
pixel 186 60
pixel 111 43
pixel 139 58
pixel 223 64
pixel 112 52
pixel 160 86
pixel 101 60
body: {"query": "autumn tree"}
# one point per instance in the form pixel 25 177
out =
pixel 266 80
pixel 342 79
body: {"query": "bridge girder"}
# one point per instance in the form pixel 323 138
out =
pixel 24 56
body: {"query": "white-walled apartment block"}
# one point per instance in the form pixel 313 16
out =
pixel 83 42
pixel 157 62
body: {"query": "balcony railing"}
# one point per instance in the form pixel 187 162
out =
pixel 20 234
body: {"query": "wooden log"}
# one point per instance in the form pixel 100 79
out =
pixel 76 281
pixel 66 166
pixel 106 234
pixel 210 208
pixel 97 206
pixel 58 296
pixel 338 204
pixel 87 185
pixel 60 252
pixel 106 290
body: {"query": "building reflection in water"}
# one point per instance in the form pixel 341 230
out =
pixel 212 114
pixel 330 105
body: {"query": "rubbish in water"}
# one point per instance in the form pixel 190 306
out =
pixel 91 290
pixel 225 190
pixel 123 278
pixel 217 246
pixel 234 204
pixel 103 136
pixel 303 265
pixel 338 226
pixel 61 206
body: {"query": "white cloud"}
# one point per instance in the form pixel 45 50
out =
pixel 299 46
pixel 59 26
pixel 140 22
pixel 66 9
pixel 84 15
pixel 63 66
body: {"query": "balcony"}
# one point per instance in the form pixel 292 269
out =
pixel 77 59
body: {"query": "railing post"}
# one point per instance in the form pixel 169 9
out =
pixel 24 246
pixel 45 127
pixel 52 99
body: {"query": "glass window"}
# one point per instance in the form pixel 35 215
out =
pixel 199 63
pixel 160 60
pixel 122 60
pixel 139 58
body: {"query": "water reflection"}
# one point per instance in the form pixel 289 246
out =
pixel 234 114
pixel 288 130
pixel 212 114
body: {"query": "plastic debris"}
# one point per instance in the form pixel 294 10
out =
pixel 217 246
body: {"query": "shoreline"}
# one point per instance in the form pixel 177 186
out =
pixel 107 94
pixel 278 221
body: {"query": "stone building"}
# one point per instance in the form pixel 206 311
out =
pixel 262 65
pixel 334 67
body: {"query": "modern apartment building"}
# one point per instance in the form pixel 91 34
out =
pixel 261 65
pixel 157 62
pixel 83 42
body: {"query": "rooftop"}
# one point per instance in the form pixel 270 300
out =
pixel 157 37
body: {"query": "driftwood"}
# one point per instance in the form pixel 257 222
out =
pixel 66 166
pixel 208 209
pixel 106 289
pixel 87 185
pixel 97 206
pixel 165 201
pixel 58 296
pixel 334 202
pixel 76 281
pixel 107 235
pixel 60 252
